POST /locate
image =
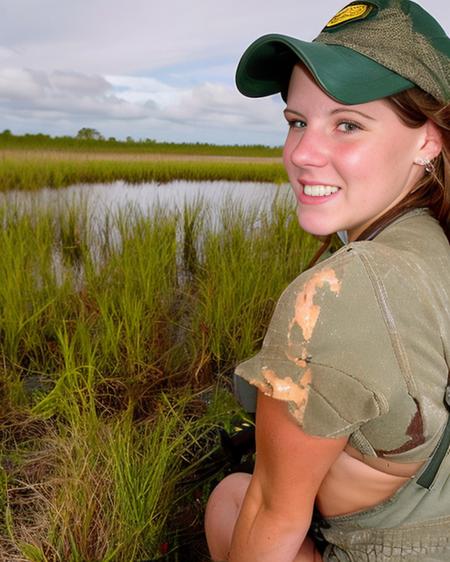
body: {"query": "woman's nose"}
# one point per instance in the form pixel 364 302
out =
pixel 307 149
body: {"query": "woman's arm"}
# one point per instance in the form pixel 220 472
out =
pixel 290 466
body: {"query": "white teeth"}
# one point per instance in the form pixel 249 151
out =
pixel 319 190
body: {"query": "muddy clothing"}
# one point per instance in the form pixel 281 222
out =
pixel 357 346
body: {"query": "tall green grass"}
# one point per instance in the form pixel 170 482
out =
pixel 108 333
pixel 33 174
pixel 105 489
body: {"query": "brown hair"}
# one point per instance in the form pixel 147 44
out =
pixel 415 107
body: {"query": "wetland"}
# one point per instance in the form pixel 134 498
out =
pixel 127 296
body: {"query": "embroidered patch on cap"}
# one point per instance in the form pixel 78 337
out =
pixel 357 11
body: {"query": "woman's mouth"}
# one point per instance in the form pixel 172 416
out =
pixel 314 194
pixel 319 190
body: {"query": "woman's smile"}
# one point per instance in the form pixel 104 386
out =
pixel 315 193
pixel 347 164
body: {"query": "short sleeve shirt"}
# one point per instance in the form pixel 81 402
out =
pixel 358 344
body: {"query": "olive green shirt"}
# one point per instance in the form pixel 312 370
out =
pixel 358 344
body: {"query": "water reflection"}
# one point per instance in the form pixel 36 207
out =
pixel 101 198
pixel 93 219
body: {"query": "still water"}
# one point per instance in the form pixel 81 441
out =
pixel 102 198
pixel 99 204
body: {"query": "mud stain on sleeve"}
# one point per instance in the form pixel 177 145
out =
pixel 301 360
pixel 306 312
pixel 286 389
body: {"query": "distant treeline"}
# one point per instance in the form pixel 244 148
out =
pixel 90 139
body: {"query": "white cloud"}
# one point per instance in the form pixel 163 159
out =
pixel 78 84
pixel 34 85
pixel 220 106
pixel 137 106
pixel 66 93
pixel 18 84
pixel 6 53
pixel 141 90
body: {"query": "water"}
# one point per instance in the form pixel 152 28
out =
pixel 100 203
pixel 103 198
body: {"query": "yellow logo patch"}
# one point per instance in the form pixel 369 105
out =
pixel 352 12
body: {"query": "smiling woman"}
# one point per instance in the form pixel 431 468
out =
pixel 351 384
pixel 359 160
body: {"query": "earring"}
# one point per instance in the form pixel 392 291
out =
pixel 429 166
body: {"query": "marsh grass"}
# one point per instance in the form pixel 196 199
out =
pixel 108 486
pixel 40 142
pixel 34 173
pixel 108 334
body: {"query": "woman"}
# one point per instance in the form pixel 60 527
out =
pixel 351 416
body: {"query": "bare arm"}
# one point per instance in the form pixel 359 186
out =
pixel 290 466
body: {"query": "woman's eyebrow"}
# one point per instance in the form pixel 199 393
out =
pixel 347 110
pixel 337 110
pixel 287 110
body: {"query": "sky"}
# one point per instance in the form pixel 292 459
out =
pixel 158 69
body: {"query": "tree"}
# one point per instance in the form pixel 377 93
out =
pixel 87 133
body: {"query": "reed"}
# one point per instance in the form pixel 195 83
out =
pixel 108 333
pixel 249 259
pixel 33 174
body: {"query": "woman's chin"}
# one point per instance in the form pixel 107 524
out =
pixel 315 228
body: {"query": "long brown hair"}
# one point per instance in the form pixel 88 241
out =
pixel 415 107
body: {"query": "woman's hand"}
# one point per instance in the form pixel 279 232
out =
pixel 290 467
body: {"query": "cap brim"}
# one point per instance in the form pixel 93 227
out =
pixel 343 73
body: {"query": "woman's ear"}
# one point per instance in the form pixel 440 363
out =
pixel 432 143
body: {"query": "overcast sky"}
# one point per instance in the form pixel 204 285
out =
pixel 160 69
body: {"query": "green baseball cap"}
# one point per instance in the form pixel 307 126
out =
pixel 367 51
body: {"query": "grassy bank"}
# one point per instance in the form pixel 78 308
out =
pixel 110 334
pixel 32 173
pixel 8 141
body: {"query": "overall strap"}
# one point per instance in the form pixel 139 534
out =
pixel 427 477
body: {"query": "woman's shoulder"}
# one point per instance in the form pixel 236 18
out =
pixel 413 237
pixel 413 249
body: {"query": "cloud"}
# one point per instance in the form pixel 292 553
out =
pixel 113 36
pixel 18 85
pixel 79 84
pixel 6 53
pixel 144 105
pixel 143 90
pixel 29 84
pixel 219 106
pixel 207 106
pixel 63 93
pixel 145 68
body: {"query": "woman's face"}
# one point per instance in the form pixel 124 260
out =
pixel 347 164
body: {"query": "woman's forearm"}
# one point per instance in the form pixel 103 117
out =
pixel 290 467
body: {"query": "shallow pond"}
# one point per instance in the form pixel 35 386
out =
pixel 91 214
pixel 100 198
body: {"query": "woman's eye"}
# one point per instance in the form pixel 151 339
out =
pixel 296 124
pixel 348 127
